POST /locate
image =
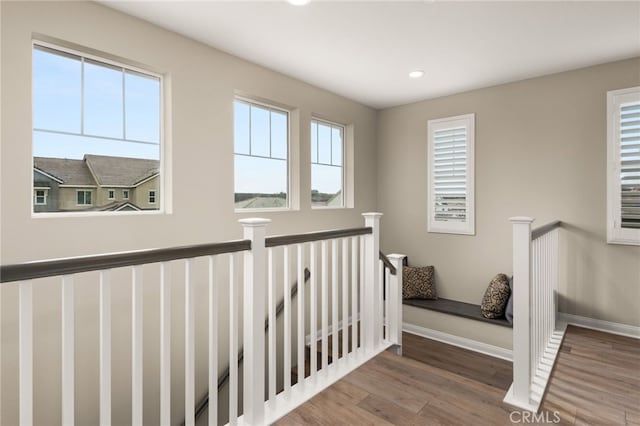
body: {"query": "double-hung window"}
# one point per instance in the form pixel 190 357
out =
pixel 327 173
pixel 261 156
pixel 96 123
pixel 450 204
pixel 623 166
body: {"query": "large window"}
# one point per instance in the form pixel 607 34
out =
pixel 327 173
pixel 261 147
pixel 96 123
pixel 450 202
pixel 623 166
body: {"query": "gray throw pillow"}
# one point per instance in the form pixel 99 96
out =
pixel 508 312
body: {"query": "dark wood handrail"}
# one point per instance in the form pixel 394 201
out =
pixel 75 265
pixel 222 379
pixel 284 240
pixel 540 231
pixel 387 263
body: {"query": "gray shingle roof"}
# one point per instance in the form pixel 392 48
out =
pixel 121 171
pixel 109 171
pixel 71 172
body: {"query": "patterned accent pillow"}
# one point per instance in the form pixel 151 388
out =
pixel 496 297
pixel 418 283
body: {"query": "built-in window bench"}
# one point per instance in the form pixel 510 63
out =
pixel 453 307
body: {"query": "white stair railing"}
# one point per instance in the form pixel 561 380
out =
pixel 345 293
pixel 537 333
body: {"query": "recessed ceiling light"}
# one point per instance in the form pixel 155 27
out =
pixel 298 2
pixel 416 74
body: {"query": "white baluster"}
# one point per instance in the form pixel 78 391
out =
pixel 233 341
pixel 287 321
pixel 105 348
pixel 213 344
pixel 136 346
pixel 345 297
pixel 325 306
pixel 354 293
pixel 334 300
pixel 25 342
pixel 385 272
pixel 361 286
pixel 165 345
pixel 254 299
pixel 68 351
pixel 300 314
pixel 272 324
pixel 313 314
pixel 189 346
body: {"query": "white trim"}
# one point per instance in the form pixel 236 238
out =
pixel 467 227
pixel 461 342
pixel 601 325
pixel 615 233
pixel 35 196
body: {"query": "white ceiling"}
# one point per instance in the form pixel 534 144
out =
pixel 364 50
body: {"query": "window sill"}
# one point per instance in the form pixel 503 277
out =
pixel 274 210
pixel 67 215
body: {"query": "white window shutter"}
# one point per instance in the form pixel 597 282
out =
pixel 630 165
pixel 451 178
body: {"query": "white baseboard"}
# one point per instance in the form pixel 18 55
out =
pixel 601 325
pixel 461 342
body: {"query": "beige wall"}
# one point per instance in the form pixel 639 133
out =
pixel 202 82
pixel 540 152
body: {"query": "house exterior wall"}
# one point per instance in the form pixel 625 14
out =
pixel 540 151
pixel 68 198
pixel 200 84
pixel 141 194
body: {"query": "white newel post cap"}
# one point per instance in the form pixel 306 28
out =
pixel 254 221
pixel 372 214
pixel 521 219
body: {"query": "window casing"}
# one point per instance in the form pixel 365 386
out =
pixel 152 197
pixel 84 198
pixel 89 106
pixel 327 164
pixel 450 201
pixel 623 166
pixel 125 194
pixel 261 156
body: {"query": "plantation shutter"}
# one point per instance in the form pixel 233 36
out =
pixel 450 175
pixel 450 197
pixel 630 165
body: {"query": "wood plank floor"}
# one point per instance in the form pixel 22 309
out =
pixel 596 382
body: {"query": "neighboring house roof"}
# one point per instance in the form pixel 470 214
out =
pixel 108 171
pixel 121 171
pixel 261 203
pixel 70 172
pixel 119 206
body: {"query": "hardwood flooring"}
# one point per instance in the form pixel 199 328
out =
pixel 596 382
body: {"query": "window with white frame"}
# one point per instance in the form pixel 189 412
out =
pixel 125 194
pixel 83 198
pixel 152 197
pixel 327 172
pixel 451 207
pixel 261 152
pixel 623 166
pixel 96 123
pixel 40 196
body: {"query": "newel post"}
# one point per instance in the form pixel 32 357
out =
pixel 371 312
pixel 395 302
pixel 521 310
pixel 254 314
